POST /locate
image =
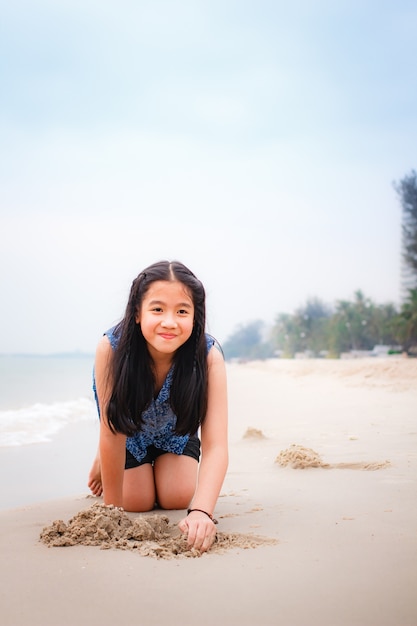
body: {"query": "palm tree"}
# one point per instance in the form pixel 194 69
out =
pixel 407 192
pixel 408 317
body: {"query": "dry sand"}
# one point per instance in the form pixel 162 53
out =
pixel 300 543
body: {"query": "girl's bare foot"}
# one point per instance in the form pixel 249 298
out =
pixel 94 477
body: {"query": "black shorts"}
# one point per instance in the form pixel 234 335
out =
pixel 191 449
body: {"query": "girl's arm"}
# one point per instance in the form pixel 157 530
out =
pixel 112 445
pixel 200 529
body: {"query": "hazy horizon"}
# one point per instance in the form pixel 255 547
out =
pixel 256 142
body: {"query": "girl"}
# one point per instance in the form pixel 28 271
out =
pixel 158 379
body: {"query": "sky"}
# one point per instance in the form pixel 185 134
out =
pixel 256 142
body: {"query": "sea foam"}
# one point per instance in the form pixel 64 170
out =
pixel 38 422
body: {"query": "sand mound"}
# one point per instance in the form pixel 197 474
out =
pixel 110 527
pixel 253 433
pixel 299 457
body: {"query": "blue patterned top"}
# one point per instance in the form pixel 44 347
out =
pixel 159 420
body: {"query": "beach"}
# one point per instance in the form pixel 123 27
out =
pixel 317 515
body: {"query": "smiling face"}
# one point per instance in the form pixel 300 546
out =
pixel 166 317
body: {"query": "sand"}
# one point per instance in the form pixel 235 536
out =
pixel 300 457
pixel 300 542
pixel 150 535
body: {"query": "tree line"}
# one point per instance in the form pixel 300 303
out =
pixel 359 324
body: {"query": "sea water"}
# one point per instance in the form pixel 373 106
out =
pixel 40 395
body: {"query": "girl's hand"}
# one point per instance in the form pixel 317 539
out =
pixel 200 530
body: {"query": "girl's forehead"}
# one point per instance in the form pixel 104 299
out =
pixel 168 290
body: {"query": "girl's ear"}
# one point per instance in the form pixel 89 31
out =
pixel 137 318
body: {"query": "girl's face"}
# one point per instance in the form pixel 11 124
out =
pixel 166 317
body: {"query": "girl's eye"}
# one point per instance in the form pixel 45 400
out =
pixel 157 309
pixel 183 312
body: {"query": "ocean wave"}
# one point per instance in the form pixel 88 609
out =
pixel 39 422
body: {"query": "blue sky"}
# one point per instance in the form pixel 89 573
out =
pixel 255 141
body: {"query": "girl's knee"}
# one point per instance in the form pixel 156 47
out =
pixel 175 481
pixel 174 501
pixel 139 489
pixel 138 503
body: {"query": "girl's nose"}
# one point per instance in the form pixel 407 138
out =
pixel 168 322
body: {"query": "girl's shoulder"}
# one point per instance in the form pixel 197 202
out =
pixel 212 341
pixel 113 335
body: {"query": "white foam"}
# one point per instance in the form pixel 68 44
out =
pixel 39 422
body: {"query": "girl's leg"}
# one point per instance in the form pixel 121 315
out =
pixel 139 488
pixel 175 480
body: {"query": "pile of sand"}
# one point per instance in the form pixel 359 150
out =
pixel 299 457
pixel 151 535
pixel 253 433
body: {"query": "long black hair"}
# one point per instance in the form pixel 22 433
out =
pixel 132 372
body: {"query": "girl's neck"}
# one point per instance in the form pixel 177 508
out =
pixel 160 360
pixel 161 367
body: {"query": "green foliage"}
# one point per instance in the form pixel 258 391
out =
pixel 361 324
pixel 357 325
pixel 406 323
pixel 305 330
pixel 407 191
pixel 317 329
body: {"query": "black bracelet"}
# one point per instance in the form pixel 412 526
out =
pixel 205 513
